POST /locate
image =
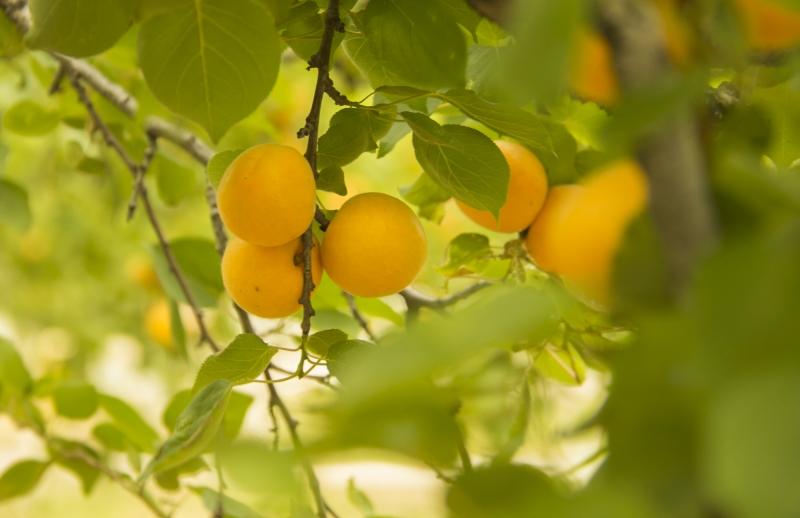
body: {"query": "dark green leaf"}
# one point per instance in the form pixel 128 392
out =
pixel 551 142
pixel 240 362
pixel 136 429
pixel 200 265
pixel 303 30
pixel 409 43
pixel 219 163
pixel 76 400
pixel 79 27
pixel 21 478
pixel 463 13
pixel 195 430
pixel 331 179
pixel 213 63
pixel 463 161
pixel 320 342
pixel 352 131
pixel 30 119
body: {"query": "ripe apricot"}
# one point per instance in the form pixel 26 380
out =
pixel 267 195
pixel 265 281
pixel 158 323
pixel 582 228
pixel 527 188
pixel 593 76
pixel 768 25
pixel 542 238
pixel 374 246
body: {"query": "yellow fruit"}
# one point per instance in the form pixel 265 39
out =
pixel 542 237
pixel 527 188
pixel 158 323
pixel 593 75
pixel 140 271
pixel 374 246
pixel 768 25
pixel 265 281
pixel 583 228
pixel 677 36
pixel 267 195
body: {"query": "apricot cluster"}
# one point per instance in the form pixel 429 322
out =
pixel 574 230
pixel 374 246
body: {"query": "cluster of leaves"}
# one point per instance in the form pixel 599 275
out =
pixel 704 399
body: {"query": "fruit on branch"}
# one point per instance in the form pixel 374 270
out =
pixel 593 76
pixel 581 226
pixel 267 281
pixel 267 195
pixel 527 188
pixel 768 25
pixel 374 246
pixel 158 323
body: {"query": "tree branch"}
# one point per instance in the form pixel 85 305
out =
pixel 351 303
pixel 136 170
pixel 672 154
pixel 414 301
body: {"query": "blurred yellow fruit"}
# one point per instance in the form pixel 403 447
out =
pixel 527 188
pixel 374 246
pixel 593 76
pixel 267 195
pixel 158 323
pixel 140 271
pixel 582 232
pixel 542 237
pixel 265 281
pixel 677 35
pixel 768 25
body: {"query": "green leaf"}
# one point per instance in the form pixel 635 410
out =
pixel 342 353
pixel 176 405
pixel 21 478
pixel 169 479
pixel 484 69
pixel 359 499
pixel 232 508
pixel 408 43
pixel 467 253
pixel 219 163
pixel 136 429
pixel 176 328
pixel 518 428
pixel 503 491
pixel 303 30
pixel 111 437
pixel 561 364
pixel 352 131
pixel 176 182
pixel 240 362
pixel 200 265
pixel 232 421
pixel 255 467
pixel 79 27
pixel 427 196
pixel 463 161
pixel 463 13
pixel 195 430
pixel 331 179
pixel 76 400
pixel 320 342
pixel 213 63
pixel 30 119
pixel 551 141
pixel 14 377
pixel 379 309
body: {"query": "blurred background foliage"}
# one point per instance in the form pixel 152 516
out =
pixel 562 408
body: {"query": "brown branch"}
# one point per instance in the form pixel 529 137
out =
pixel 112 142
pixel 672 153
pixel 351 303
pixel 414 301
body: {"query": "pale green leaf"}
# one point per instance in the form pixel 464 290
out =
pixel 232 508
pixel 240 362
pixel 219 163
pixel 200 265
pixel 21 478
pixel 427 196
pixel 79 27
pixel 14 377
pixel 462 160
pixel 127 419
pixel 213 63
pixel 359 499
pixel 468 252
pixel 320 342
pixel 176 182
pixel 76 400
pixel 195 430
pixel 110 436
pixel 30 119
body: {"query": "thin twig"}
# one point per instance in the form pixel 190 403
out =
pixel 291 425
pixel 138 182
pixel 351 303
pixel 112 142
pixel 414 300
pixel 463 453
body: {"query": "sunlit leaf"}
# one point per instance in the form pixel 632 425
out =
pixel 320 342
pixel 30 119
pixel 21 478
pixel 76 400
pixel 127 419
pixel 240 362
pixel 219 163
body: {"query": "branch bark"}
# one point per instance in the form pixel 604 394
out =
pixel 672 155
